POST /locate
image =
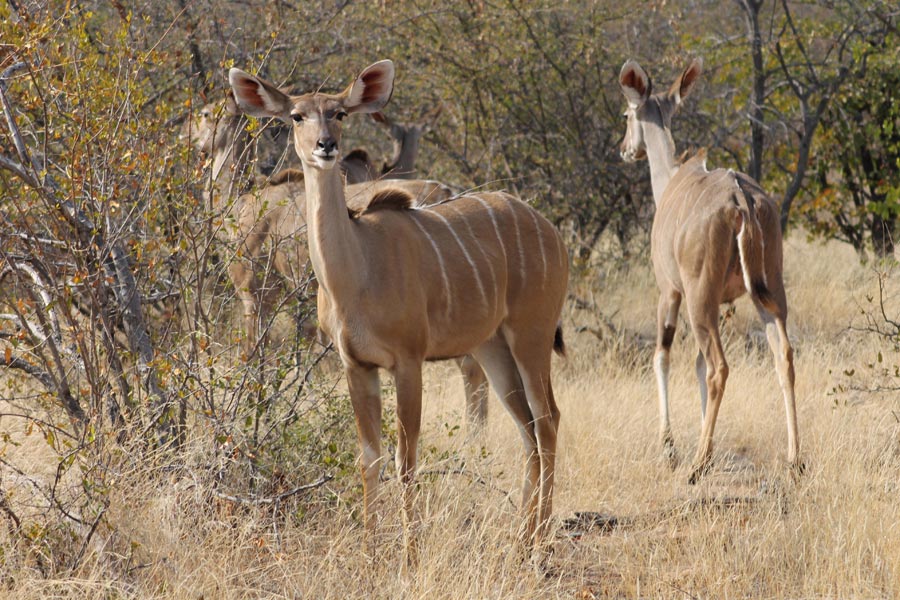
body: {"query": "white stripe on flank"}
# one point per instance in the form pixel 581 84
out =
pixel 708 187
pixel 561 247
pixel 540 237
pixel 474 238
pixel 494 221
pixel 521 248
pixel 466 254
pixel 684 180
pixel 762 248
pixel 440 263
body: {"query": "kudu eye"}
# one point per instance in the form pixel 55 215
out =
pixel 297 117
pixel 340 115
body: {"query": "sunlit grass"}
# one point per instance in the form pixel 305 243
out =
pixel 747 530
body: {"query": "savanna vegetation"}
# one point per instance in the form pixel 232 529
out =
pixel 147 450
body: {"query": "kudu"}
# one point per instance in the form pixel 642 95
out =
pixel 483 274
pixel 716 235
pixel 402 165
pixel 267 226
pixel 405 138
pixel 239 160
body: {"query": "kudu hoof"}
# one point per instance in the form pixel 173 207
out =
pixel 670 455
pixel 797 470
pixel 697 472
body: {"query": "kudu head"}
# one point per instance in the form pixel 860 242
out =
pixel 648 111
pixel 213 127
pixel 406 138
pixel 315 117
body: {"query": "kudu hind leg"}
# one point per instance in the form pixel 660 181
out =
pixel 532 355
pixel 704 321
pixel 783 354
pixel 667 319
pixel 475 382
pixel 700 369
pixel 503 375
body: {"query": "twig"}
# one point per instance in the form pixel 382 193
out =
pixel 87 540
pixel 6 508
pixel 471 476
pixel 273 499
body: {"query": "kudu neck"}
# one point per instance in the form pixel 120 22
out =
pixel 232 160
pixel 334 247
pixel 661 156
pixel 403 163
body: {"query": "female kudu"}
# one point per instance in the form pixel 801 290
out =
pixel 715 236
pixel 483 274
pixel 269 222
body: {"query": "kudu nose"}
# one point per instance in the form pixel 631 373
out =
pixel 327 145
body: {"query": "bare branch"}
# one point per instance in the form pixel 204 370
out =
pixel 274 499
pixel 114 261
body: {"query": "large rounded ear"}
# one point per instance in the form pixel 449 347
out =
pixel 372 89
pixel 684 84
pixel 635 83
pixel 231 106
pixel 259 98
pixel 380 118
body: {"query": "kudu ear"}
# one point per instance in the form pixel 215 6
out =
pixel 685 83
pixel 259 98
pixel 380 118
pixel 372 89
pixel 635 83
pixel 231 106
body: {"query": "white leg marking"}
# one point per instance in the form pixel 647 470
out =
pixel 540 236
pixel 440 258
pixel 661 366
pixel 700 368
pixel 465 253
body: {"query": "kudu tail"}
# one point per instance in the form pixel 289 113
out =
pixel 751 248
pixel 559 346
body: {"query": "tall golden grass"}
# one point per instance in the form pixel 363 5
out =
pixel 625 526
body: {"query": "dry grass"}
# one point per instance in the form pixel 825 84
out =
pixel 747 530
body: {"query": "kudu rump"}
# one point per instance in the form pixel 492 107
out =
pixel 715 236
pixel 483 274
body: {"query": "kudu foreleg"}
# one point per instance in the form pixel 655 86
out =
pixel 365 395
